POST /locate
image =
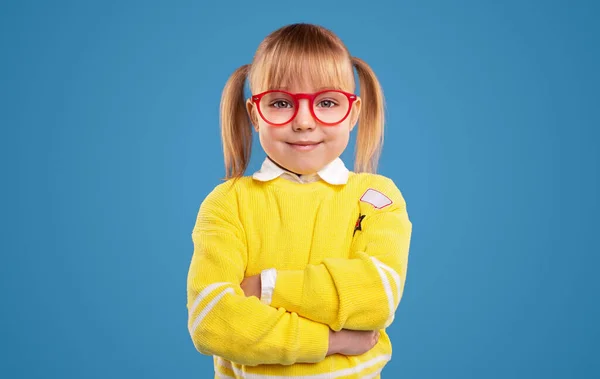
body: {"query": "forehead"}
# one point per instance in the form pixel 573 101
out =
pixel 303 74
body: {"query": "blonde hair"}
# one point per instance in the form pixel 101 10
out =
pixel 315 54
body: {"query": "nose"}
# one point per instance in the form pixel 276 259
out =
pixel 304 119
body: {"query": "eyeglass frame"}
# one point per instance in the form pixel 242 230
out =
pixel 310 97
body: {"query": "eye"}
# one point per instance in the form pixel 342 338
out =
pixel 281 104
pixel 327 103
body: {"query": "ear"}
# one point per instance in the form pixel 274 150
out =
pixel 252 114
pixel 355 112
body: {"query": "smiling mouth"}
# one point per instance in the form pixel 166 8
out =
pixel 307 143
pixel 304 146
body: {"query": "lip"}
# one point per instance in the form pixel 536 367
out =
pixel 304 145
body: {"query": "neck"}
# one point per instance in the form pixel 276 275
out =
pixel 283 168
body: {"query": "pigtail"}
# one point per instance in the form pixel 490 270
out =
pixel 369 139
pixel 236 133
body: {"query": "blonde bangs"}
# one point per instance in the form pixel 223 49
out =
pixel 307 58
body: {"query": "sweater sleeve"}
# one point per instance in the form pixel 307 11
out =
pixel 361 292
pixel 222 321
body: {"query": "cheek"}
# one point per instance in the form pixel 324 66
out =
pixel 269 136
pixel 338 135
pixel 270 132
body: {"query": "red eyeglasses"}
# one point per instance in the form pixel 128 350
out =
pixel 329 107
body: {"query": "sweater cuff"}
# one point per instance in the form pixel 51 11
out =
pixel 314 338
pixel 267 285
pixel 288 291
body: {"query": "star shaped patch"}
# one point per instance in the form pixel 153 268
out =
pixel 358 225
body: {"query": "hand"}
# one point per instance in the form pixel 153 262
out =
pixel 252 286
pixel 352 342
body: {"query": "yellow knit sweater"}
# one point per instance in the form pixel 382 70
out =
pixel 341 255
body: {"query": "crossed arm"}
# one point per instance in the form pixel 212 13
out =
pixel 292 328
pixel 358 293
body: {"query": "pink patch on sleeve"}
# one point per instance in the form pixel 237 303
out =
pixel 376 199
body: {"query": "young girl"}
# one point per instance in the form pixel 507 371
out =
pixel 298 269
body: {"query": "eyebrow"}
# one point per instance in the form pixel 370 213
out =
pixel 284 88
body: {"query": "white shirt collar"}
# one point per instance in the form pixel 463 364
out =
pixel 334 173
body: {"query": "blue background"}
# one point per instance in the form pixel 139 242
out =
pixel 110 141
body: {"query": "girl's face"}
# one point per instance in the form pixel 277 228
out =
pixel 304 145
